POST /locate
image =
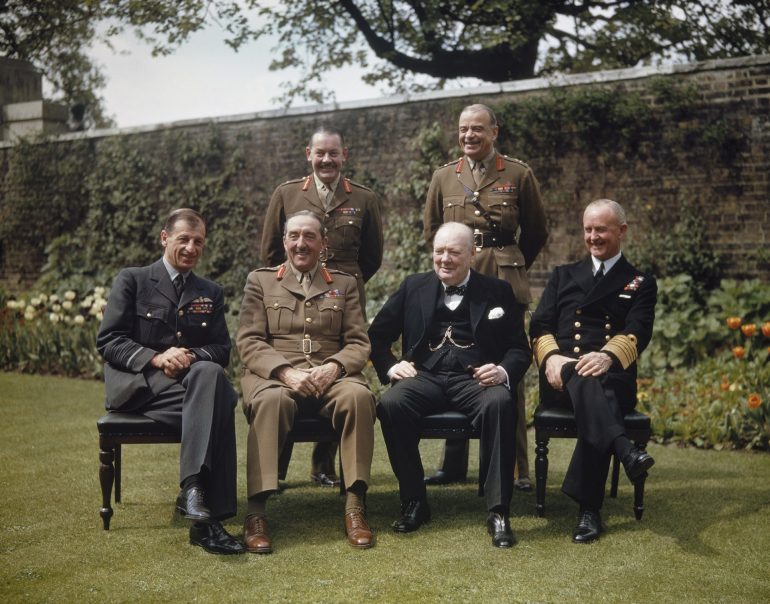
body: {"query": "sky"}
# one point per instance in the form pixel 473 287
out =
pixel 203 78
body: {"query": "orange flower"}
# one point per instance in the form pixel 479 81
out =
pixel 754 401
pixel 749 329
pixel 766 329
pixel 725 386
pixel 733 322
pixel 738 352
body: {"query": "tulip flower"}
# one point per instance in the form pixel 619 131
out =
pixel 739 352
pixel 766 329
pixel 754 401
pixel 749 329
pixel 733 322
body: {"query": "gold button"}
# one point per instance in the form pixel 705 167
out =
pixel 607 317
pixel 606 338
pixel 307 336
pixel 477 213
pixel 149 314
pixel 505 203
pixel 478 249
pixel 275 304
pixel 577 323
pixel 181 312
pixel 335 307
pixel 449 205
pixel 350 222
pixel 203 324
pixel 178 334
pixel 307 303
pixel 475 193
pixel 309 320
pixel 307 356
pixel 515 264
pixel 576 349
pixel 608 326
pixel 577 336
pixel 578 312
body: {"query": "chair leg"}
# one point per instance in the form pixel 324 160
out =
pixel 541 473
pixel 615 475
pixel 118 473
pixel 106 479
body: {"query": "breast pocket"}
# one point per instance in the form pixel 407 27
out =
pixel 280 314
pixel 151 322
pixel 345 231
pixel 504 208
pixel 454 208
pixel 330 311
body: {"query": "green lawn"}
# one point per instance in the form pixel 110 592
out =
pixel 704 536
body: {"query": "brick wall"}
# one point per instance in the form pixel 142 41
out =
pixel 733 196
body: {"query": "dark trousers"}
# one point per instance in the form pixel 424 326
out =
pixel 492 409
pixel 599 404
pixel 201 406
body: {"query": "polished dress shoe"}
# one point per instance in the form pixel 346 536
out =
pixel 588 528
pixel 191 503
pixel 212 537
pixel 255 535
pixel 523 484
pixel 441 477
pixel 359 534
pixel 414 513
pixel 499 526
pixel 325 480
pixel 636 464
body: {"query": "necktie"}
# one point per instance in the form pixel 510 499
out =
pixel 478 172
pixel 600 273
pixel 305 282
pixel 458 290
pixel 179 285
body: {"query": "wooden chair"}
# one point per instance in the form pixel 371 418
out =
pixel 560 423
pixel 117 429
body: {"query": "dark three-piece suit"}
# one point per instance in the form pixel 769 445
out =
pixel 577 315
pixel 144 317
pixel 487 328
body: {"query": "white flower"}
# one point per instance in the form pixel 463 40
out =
pixel 53 317
pixel 79 319
pixel 66 305
pixel 99 291
pixel 56 307
pixel 34 301
pixel 53 299
pixel 29 314
pixel 495 313
pixel 43 298
pixel 69 295
pixel 12 304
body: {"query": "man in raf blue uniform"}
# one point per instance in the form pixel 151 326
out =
pixel 593 321
pixel 165 343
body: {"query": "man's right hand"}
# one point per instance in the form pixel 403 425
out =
pixel 299 380
pixel 553 367
pixel 173 361
pixel 401 370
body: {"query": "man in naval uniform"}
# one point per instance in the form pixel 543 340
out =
pixel 499 198
pixel 593 321
pixel 350 213
pixel 302 339
pixel 165 343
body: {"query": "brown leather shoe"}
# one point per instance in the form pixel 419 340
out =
pixel 255 535
pixel 359 534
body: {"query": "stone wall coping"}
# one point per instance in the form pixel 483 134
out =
pixel 532 84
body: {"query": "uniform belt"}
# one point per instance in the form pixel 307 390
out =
pixel 342 256
pixel 489 239
pixel 305 345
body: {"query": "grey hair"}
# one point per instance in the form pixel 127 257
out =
pixel 614 206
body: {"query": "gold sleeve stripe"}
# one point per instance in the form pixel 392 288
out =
pixel 542 346
pixel 624 349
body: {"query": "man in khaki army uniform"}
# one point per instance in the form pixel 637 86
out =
pixel 499 198
pixel 351 214
pixel 302 339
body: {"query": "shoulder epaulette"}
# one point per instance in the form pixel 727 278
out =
pixel 451 163
pixel 348 184
pixel 292 181
pixel 516 161
pixel 308 180
pixel 281 271
pixel 269 268
pixel 326 275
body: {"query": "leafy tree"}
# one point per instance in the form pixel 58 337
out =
pixel 416 45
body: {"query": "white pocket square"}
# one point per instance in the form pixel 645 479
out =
pixel 495 313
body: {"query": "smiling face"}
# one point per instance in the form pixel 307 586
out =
pixel 326 156
pixel 602 231
pixel 476 134
pixel 303 242
pixel 183 245
pixel 453 252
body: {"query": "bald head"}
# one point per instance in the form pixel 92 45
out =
pixel 453 252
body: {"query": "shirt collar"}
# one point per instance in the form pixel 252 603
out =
pixel 608 264
pixel 322 186
pixel 298 274
pixel 463 282
pixel 487 161
pixel 172 272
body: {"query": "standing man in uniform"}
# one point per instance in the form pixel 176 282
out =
pixel 165 344
pixel 499 198
pixel 350 214
pixel 302 339
pixel 594 320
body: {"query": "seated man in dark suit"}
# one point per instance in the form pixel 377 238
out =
pixel 165 343
pixel 464 348
pixel 594 319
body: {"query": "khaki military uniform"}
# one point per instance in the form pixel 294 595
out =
pixel 353 223
pixel 504 208
pixel 281 325
pixel 509 193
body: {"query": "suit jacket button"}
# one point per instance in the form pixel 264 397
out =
pixel 181 312
pixel 178 334
pixel 577 336
pixel 308 320
pixel 308 303
pixel 577 323
pixel 578 312
pixel 608 326
pixel 477 213
pixel 606 338
pixel 149 314
pixel 203 324
pixel 576 349
pixel 275 304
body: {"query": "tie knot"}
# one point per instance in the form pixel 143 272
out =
pixel 599 272
pixel 179 284
pixel 457 290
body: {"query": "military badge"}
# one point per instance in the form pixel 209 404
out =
pixel 201 306
pixel 348 211
pixel 332 293
pixel 506 187
pixel 633 285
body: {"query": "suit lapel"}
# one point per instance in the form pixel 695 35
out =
pixel 311 197
pixel 289 281
pixel 428 296
pixel 466 177
pixel 582 273
pixel 476 301
pixel 192 290
pixel 318 285
pixel 616 278
pixel 159 275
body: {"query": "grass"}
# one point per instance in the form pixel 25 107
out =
pixel 704 536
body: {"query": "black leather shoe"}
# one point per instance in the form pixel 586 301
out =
pixel 499 526
pixel 212 537
pixel 636 464
pixel 441 477
pixel 414 514
pixel 588 528
pixel 191 503
pixel 325 480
